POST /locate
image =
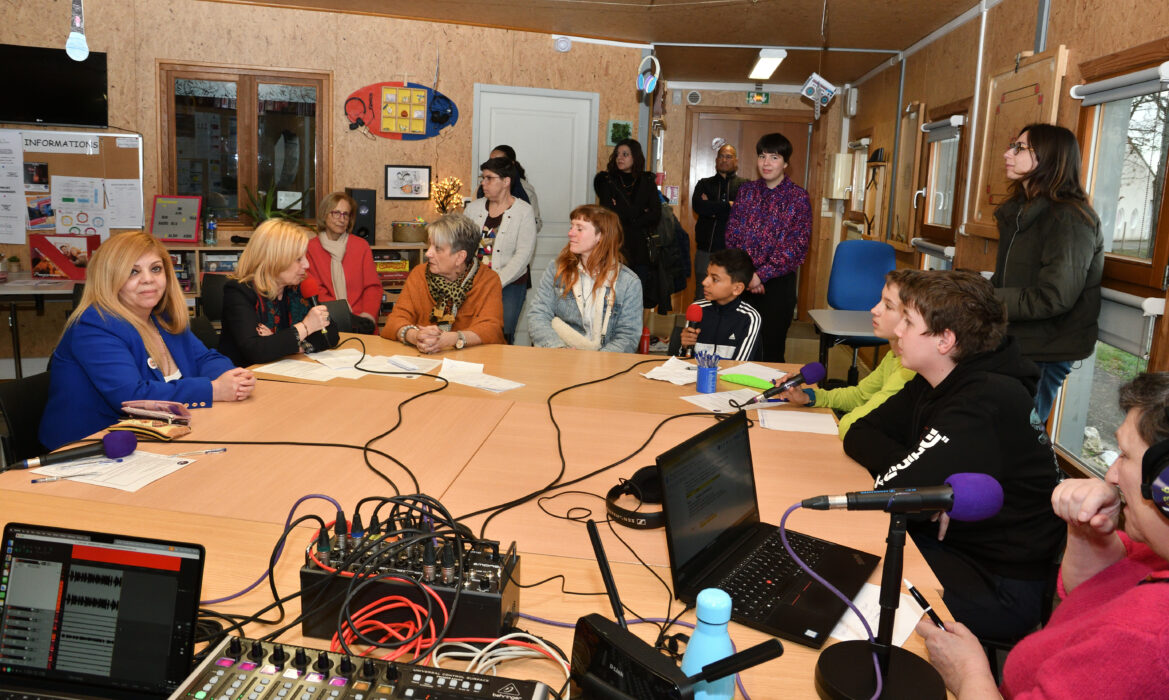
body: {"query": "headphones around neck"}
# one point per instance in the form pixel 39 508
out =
pixel 647 78
pixel 1155 476
pixel 646 486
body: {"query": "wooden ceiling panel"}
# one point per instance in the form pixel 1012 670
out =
pixel 733 65
pixel 857 24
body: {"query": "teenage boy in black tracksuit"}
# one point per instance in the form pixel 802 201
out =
pixel 969 409
pixel 729 327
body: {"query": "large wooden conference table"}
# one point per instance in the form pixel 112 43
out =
pixel 470 449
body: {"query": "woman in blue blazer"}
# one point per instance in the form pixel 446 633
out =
pixel 129 339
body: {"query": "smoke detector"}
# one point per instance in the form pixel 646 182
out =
pixel 693 97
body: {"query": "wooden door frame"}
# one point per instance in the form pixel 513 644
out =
pixel 819 258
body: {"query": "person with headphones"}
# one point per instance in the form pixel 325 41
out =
pixel 1108 637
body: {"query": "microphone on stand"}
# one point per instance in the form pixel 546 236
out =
pixel 967 496
pixel 811 373
pixel 113 445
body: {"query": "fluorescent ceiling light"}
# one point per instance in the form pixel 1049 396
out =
pixel 768 61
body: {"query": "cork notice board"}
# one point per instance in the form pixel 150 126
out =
pixel 116 159
pixel 1022 95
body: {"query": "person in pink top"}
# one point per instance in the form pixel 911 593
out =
pixel 342 262
pixel 1108 637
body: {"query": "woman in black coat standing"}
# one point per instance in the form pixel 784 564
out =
pixel 625 188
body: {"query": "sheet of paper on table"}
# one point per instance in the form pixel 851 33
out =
pixel 471 374
pixel 311 371
pixel 753 370
pixel 799 421
pixel 674 371
pixel 720 401
pixel 129 474
pixel 868 601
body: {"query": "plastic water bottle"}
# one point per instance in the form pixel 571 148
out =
pixel 709 643
pixel 210 228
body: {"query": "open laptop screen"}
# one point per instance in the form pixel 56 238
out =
pixel 708 491
pixel 105 615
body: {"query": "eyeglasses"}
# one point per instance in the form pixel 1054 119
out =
pixel 339 214
pixel 1017 146
pixel 489 177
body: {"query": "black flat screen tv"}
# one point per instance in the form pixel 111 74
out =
pixel 45 86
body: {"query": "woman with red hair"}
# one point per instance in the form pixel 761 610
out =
pixel 588 299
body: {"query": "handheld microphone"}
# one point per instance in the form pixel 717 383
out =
pixel 967 496
pixel 113 445
pixel 811 373
pixel 693 319
pixel 310 289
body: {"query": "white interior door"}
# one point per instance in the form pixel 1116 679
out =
pixel 554 134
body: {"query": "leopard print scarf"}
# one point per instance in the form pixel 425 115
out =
pixel 449 296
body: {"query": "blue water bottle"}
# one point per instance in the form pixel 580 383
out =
pixel 709 643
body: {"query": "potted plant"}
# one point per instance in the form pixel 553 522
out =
pixel 14 263
pixel 261 207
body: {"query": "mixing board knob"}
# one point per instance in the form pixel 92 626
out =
pixel 323 663
pixel 346 666
pixel 234 648
pixel 257 651
pixel 392 673
pixel 278 655
pixel 300 659
pixel 368 670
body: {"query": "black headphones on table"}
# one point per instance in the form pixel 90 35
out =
pixel 1155 476
pixel 644 485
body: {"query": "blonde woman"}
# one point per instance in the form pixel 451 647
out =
pixel 265 317
pixel 129 339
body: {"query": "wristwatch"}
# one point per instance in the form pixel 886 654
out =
pixel 461 341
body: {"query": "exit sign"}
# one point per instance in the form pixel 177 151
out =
pixel 758 98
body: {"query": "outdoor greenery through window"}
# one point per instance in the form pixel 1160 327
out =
pixel 1089 415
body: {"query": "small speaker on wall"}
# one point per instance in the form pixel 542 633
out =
pixel 365 217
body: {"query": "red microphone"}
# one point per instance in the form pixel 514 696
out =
pixel 310 288
pixel 693 319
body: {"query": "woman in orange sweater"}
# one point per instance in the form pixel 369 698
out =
pixel 452 301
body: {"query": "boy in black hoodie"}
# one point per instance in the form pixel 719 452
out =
pixel 969 409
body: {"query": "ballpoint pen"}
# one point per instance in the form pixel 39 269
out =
pixel 201 452
pixel 47 479
pixel 929 610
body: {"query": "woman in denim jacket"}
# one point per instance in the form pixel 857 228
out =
pixel 587 299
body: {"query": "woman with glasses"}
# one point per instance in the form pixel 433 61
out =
pixel 520 187
pixel 1050 256
pixel 508 243
pixel 342 262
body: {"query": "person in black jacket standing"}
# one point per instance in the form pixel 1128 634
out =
pixel 626 189
pixel 1050 256
pixel 969 409
pixel 712 200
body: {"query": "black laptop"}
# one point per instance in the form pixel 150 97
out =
pixel 95 615
pixel 716 540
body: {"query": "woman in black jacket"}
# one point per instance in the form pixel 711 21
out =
pixel 265 314
pixel 626 189
pixel 1050 256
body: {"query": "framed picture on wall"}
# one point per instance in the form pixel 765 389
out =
pixel 407 182
pixel 176 218
pixel 617 131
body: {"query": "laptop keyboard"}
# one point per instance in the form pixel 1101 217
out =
pixel 758 583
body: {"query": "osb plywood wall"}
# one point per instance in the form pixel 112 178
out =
pixel 943 71
pixel 358 50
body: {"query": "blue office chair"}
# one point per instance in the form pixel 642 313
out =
pixel 855 284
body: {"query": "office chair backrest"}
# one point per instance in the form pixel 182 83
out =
pixel 858 274
pixel 211 295
pixel 339 315
pixel 205 332
pixel 23 403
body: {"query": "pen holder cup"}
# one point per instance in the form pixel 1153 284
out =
pixel 707 380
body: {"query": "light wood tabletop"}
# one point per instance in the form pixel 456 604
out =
pixel 471 450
